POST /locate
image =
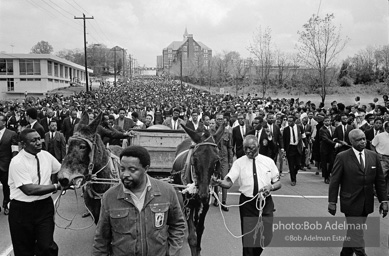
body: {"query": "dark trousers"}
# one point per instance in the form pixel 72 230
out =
pixel 357 243
pixel 327 161
pixel 4 182
pixel 248 219
pixel 294 162
pixel 32 228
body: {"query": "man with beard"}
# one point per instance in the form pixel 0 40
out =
pixel 140 216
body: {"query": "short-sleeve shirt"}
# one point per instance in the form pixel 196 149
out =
pixel 23 170
pixel 242 170
pixel 381 143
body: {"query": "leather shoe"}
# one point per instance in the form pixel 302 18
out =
pixel 317 173
pixel 6 211
pixel 215 203
pixel 293 183
pixel 308 167
pixel 226 209
pixel 327 181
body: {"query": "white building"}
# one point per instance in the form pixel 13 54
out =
pixel 36 74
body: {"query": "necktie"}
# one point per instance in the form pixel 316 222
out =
pixel 294 136
pixel 72 122
pixel 255 191
pixel 52 135
pixel 329 129
pixel 38 169
pixel 361 161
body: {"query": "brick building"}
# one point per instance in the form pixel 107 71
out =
pixel 189 54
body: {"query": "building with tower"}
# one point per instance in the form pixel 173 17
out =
pixel 185 57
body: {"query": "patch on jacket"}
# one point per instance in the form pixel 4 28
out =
pixel 159 219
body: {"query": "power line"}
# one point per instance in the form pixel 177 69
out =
pixel 80 7
pixel 72 6
pixel 35 4
pixel 57 10
pixel 61 8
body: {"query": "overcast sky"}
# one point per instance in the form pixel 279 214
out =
pixel 145 27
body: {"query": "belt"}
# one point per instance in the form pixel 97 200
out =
pixel 37 202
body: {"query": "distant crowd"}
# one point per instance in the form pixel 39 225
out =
pixel 146 102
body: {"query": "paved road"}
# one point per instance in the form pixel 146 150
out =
pixel 307 199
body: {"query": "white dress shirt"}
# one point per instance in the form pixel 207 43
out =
pixel 242 170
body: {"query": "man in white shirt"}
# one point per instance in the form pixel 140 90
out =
pixel 32 173
pixel 255 174
pixel 380 144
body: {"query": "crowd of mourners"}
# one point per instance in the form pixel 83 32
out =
pixel 142 103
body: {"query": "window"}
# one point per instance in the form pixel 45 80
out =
pixel 196 48
pixel 50 68
pixel 60 70
pixel 66 72
pixel 50 80
pixel 184 48
pixel 6 67
pixel 30 67
pixel 205 51
pixel 56 69
pixel 10 84
pixel 170 56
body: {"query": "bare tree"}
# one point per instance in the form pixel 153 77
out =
pixel 319 44
pixel 42 47
pixel 261 48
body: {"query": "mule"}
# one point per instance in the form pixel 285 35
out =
pixel 199 161
pixel 87 159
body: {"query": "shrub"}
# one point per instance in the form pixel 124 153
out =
pixel 345 81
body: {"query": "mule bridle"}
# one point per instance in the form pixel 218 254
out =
pixel 91 166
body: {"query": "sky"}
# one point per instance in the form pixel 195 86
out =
pixel 145 27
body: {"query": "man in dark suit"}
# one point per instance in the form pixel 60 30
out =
pixel 55 142
pixel 8 149
pixel 327 148
pixel 31 117
pixel 69 123
pixel 341 134
pixel 262 133
pixel 277 136
pixel 357 172
pixel 61 115
pixel 195 124
pixel 307 129
pixel 238 134
pixel 45 122
pixel 371 133
pixel 123 122
pixel 294 141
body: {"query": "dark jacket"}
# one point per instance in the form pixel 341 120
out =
pixel 68 127
pixel 237 140
pixel 59 145
pixel 357 185
pixel 9 139
pixel 158 229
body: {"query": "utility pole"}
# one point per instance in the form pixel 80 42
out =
pixel 114 67
pixel 86 62
pixel 130 62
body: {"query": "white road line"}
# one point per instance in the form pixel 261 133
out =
pixel 10 249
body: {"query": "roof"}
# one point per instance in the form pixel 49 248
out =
pixel 175 45
pixel 40 57
pixel 203 46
